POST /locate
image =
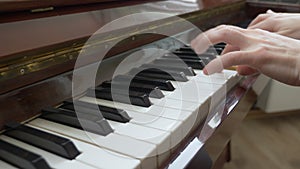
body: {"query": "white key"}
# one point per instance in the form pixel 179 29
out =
pixel 5 165
pixel 157 122
pixel 193 91
pixel 194 96
pixel 187 117
pixel 99 157
pixel 145 152
pixel 233 78
pixel 178 93
pixel 230 76
pixel 227 74
pixel 160 138
pixel 208 79
pixel 53 160
pixel 173 127
pixel 215 86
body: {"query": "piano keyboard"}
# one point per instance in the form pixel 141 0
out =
pixel 139 129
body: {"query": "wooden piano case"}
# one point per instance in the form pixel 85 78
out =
pixel 41 41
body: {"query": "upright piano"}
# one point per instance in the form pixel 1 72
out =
pixel 107 84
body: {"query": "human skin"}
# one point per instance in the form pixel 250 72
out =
pixel 286 24
pixel 281 23
pixel 253 50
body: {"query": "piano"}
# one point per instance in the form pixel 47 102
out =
pixel 107 84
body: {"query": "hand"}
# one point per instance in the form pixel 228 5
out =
pixel 286 24
pixel 281 23
pixel 256 50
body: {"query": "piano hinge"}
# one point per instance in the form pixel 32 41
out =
pixel 42 9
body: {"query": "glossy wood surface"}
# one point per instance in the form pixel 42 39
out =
pixel 27 5
pixel 35 33
pixel 52 35
pixel 218 140
pixel 221 137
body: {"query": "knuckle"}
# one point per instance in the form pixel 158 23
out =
pixel 262 55
pixel 227 30
pixel 261 16
pixel 262 49
pixel 259 31
pixel 222 26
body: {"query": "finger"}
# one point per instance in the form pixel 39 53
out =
pixel 258 19
pixel 228 60
pixel 224 33
pixel 229 48
pixel 265 25
pixel 200 44
pixel 246 70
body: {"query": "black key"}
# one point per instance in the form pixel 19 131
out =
pixel 185 48
pixel 20 157
pixel 185 53
pixel 195 64
pixel 213 50
pixel 159 74
pixel 135 98
pixel 109 113
pixel 189 51
pixel 220 45
pixel 205 58
pixel 46 141
pixel 196 57
pixel 171 56
pixel 142 85
pixel 154 92
pixel 78 115
pixel 162 84
pixel 186 70
pixel 219 50
pixel 94 124
pixel 181 77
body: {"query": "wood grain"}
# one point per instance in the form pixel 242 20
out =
pixel 264 143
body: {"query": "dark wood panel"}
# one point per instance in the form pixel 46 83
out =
pixel 221 137
pixel 21 5
pixel 37 33
pixel 21 105
pixel 203 19
pixel 254 8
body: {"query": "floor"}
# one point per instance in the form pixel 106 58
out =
pixel 267 143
